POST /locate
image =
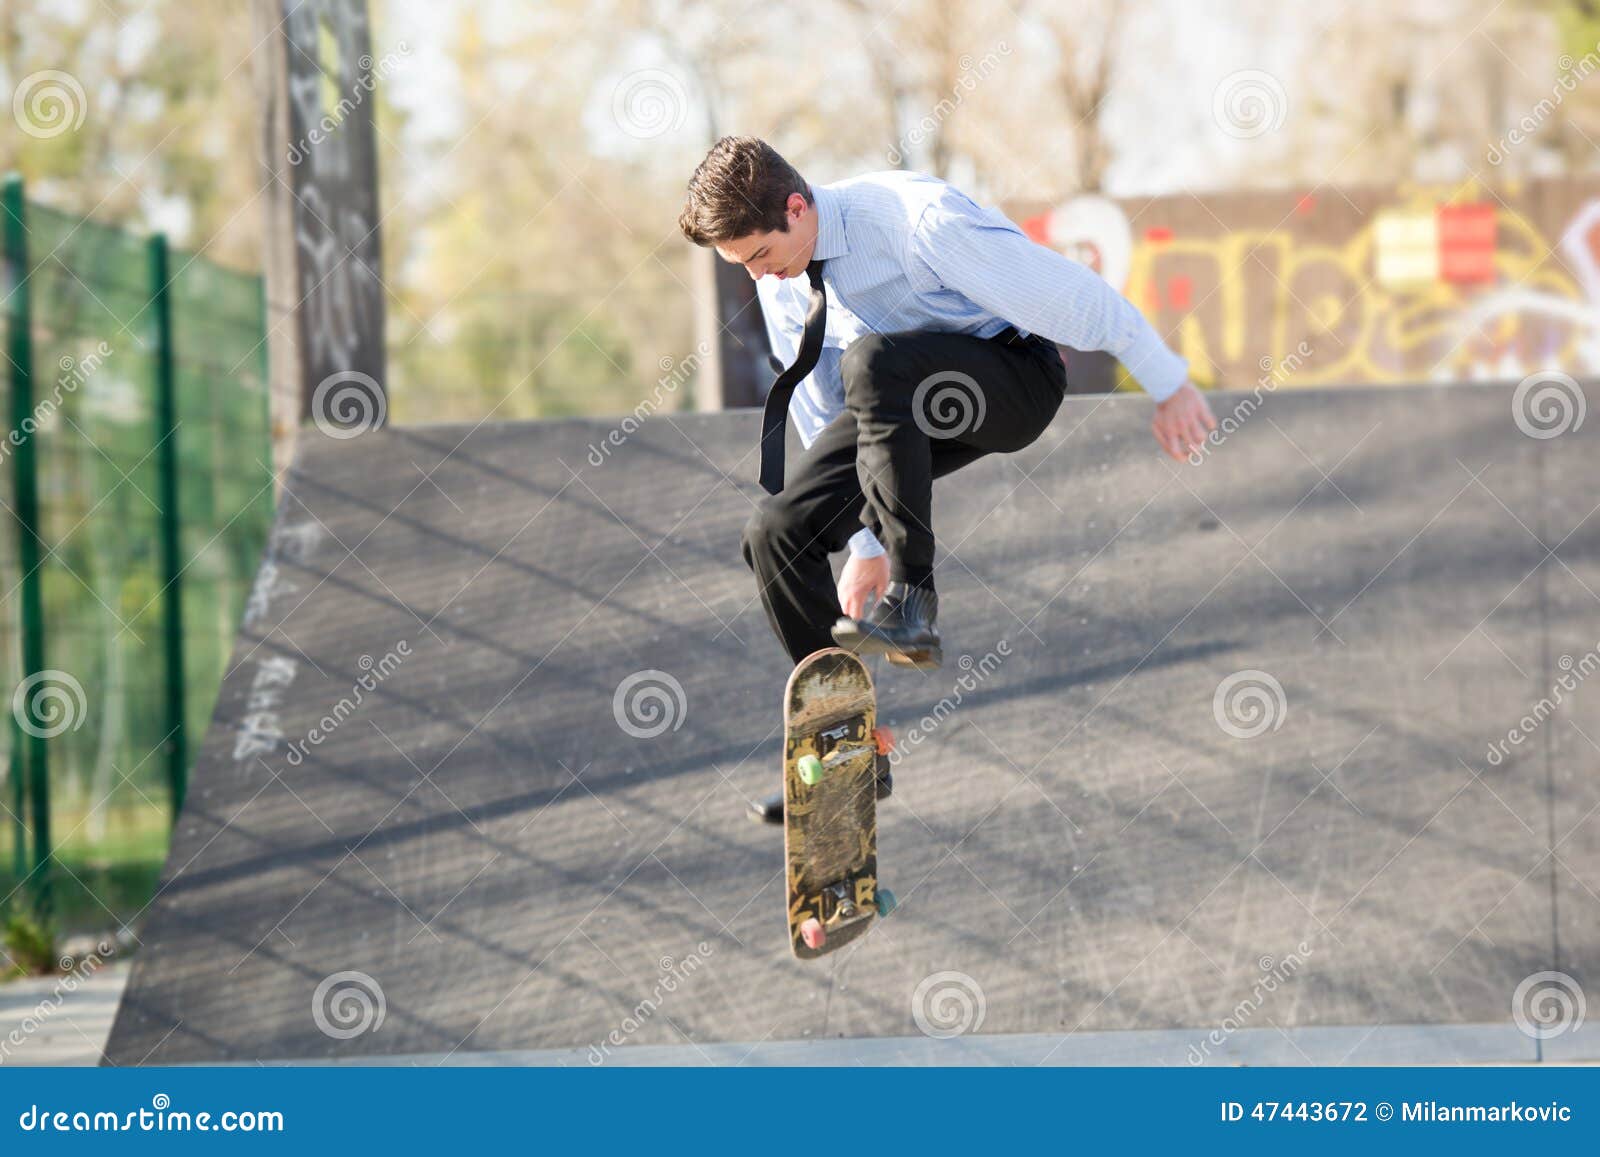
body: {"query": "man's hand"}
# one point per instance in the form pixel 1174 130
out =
pixel 1183 421
pixel 860 578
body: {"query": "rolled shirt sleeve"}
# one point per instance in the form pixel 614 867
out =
pixel 988 260
pixel 865 544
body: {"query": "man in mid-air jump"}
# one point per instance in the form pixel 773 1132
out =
pixel 919 331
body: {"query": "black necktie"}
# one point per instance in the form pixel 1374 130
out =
pixel 774 417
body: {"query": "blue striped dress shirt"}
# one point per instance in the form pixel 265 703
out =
pixel 906 251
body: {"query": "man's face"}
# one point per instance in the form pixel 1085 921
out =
pixel 782 254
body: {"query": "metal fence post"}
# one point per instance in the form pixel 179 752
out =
pixel 171 564
pixel 25 503
pixel 19 804
pixel 17 772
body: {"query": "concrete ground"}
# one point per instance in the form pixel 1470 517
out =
pixel 1270 745
pixel 51 1020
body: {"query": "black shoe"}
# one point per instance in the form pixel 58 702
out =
pixel 901 625
pixel 770 810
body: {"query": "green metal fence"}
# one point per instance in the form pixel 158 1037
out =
pixel 137 488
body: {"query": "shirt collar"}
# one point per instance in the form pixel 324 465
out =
pixel 831 240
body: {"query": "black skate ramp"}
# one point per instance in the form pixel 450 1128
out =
pixel 1207 774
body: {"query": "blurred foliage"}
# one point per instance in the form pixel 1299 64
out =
pixel 1579 24
pixel 166 105
pixel 29 944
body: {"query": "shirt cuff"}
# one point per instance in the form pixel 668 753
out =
pixel 1153 364
pixel 865 544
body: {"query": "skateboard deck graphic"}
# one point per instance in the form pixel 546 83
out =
pixel 830 829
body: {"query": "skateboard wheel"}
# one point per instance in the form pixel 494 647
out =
pixel 884 738
pixel 810 770
pixel 813 933
pixel 886 902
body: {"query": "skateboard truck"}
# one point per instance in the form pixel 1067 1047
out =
pixel 844 906
pixel 814 931
pixel 844 754
pixel 839 751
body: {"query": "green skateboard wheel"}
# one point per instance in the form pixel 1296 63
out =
pixel 886 902
pixel 810 770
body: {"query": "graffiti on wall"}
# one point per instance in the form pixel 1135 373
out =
pixel 1412 284
pixel 333 164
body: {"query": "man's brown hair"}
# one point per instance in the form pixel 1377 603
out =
pixel 742 187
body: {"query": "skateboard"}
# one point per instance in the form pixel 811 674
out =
pixel 831 746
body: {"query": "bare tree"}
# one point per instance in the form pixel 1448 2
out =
pixel 885 62
pixel 1089 53
pixel 1428 93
